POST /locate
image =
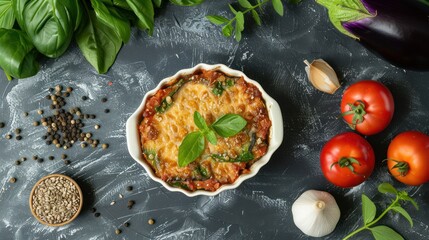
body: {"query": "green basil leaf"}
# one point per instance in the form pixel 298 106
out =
pixel 145 12
pixel 110 17
pixel 239 17
pixel 17 54
pixel 387 188
pixel 278 6
pixel 385 233
pixel 239 25
pixel 191 148
pixel 199 121
pixel 117 3
pixel 341 11
pixel 157 3
pixel 229 125
pixel 404 213
pixel 368 209
pixel 227 30
pixel 211 137
pixel 187 3
pixel 98 43
pixel 256 17
pixel 49 23
pixel 218 20
pixel 7 16
pixel 232 9
pixel 245 3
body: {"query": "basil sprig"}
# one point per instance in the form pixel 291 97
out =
pixel 369 211
pixel 229 30
pixel 192 145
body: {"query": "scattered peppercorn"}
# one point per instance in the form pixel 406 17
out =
pixel 66 162
pixel 25 114
pixel 40 111
pixel 58 88
pixel 12 180
pixel 35 123
pixel 40 160
pixel 18 131
pixel 8 136
pixel 93 210
pixel 106 110
pixel 151 221
pixel 51 158
pixel 2 124
pixel 127 224
pixel 97 126
pixel 64 156
pixel 118 231
pixel 17 162
pixel 129 188
pixel 69 89
pixel 105 145
pixel 97 214
pixel 23 159
pixel 35 157
pixel 84 98
pixel 104 100
pixel 18 137
pixel 130 204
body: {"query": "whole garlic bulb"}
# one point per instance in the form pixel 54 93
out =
pixel 316 213
pixel 322 76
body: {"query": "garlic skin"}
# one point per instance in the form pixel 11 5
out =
pixel 316 213
pixel 322 76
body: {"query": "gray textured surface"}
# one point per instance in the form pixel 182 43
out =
pixel 261 207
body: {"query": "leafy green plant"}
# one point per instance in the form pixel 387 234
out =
pixel 48 24
pixel 369 211
pixel 238 20
pixel 98 42
pixel 18 57
pixel 192 145
pixel 7 17
pixel 187 2
pixel 100 27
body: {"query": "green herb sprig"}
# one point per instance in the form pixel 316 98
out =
pixel 238 19
pixel 193 144
pixel 369 211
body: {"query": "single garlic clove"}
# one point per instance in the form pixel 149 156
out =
pixel 322 76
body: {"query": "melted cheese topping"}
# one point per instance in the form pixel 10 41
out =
pixel 162 133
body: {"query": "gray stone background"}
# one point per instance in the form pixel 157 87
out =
pixel 261 207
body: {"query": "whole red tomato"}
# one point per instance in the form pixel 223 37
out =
pixel 347 160
pixel 367 106
pixel 408 158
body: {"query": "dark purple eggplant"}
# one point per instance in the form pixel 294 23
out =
pixel 396 30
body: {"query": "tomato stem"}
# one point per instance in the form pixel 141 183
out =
pixel 402 166
pixel 357 109
pixel 348 163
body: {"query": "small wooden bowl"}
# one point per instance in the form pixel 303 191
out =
pixel 33 211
